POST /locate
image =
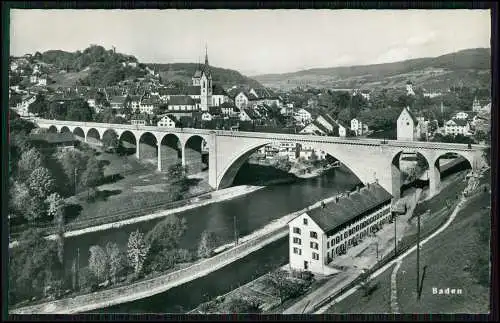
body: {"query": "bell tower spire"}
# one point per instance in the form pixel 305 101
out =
pixel 206 54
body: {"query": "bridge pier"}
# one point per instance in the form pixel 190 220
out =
pixel 434 179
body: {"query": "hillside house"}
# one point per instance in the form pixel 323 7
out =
pixel 248 114
pixel 409 88
pixel 22 107
pixel 181 104
pixel 320 235
pixel 476 105
pixel 457 127
pixel 117 103
pixel 359 127
pixel 407 126
pixel 165 121
pixel 461 115
pixel 303 116
pixel 148 105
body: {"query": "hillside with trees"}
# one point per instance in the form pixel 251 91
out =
pixel 470 67
pixel 184 72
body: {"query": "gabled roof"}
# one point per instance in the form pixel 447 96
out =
pixel 328 118
pixel 320 127
pixel 251 113
pixel 53 138
pixel 118 99
pixel 181 100
pixel 227 105
pixel 412 116
pixel 459 122
pixel 193 90
pixel 218 90
pixel 334 214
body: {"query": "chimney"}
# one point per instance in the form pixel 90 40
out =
pixel 336 199
pixel 357 188
pixel 323 204
pixel 348 193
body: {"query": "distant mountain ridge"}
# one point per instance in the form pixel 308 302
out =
pixel 185 71
pixel 470 67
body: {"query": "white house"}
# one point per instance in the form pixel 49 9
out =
pixel 431 94
pixel 303 115
pixel 407 126
pixel 148 105
pixel 409 88
pixel 358 126
pixel 241 100
pixel 166 121
pixel 206 116
pixel 462 115
pixel 342 130
pixel 22 107
pixel 320 235
pixel 457 127
pixel 476 106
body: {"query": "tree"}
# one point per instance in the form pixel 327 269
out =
pixel 207 244
pixel 176 172
pixel 110 140
pixel 33 265
pixel 40 107
pixel 41 183
pixel 92 175
pixel 98 263
pixel 344 115
pixel 56 210
pixel 19 194
pixel 78 110
pixel 73 163
pixel 137 250
pixel 29 161
pixel 240 305
pixel 116 260
pixel 166 234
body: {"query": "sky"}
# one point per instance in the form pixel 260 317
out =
pixel 255 41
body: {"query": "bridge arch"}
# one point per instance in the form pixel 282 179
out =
pixel 52 129
pixel 93 136
pixel 439 169
pixel 404 167
pixel 110 138
pixel 79 133
pixel 127 143
pixel 170 152
pixel 147 146
pixel 196 154
pixel 230 171
pixel 65 129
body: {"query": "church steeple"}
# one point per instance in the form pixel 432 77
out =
pixel 206 55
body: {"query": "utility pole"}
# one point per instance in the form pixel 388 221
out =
pixel 78 267
pixel 235 232
pixel 418 256
pixel 75 179
pixel 377 249
pixel 395 238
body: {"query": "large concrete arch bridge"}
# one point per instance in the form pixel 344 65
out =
pixel 369 159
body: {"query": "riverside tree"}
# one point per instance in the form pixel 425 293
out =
pixel 56 210
pixel 98 263
pixel 207 244
pixel 116 260
pixel 137 250
pixel 41 182
pixel 30 160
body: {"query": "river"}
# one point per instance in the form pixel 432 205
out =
pixel 252 212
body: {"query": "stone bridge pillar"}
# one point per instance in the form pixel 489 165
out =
pixel 434 178
pixel 159 157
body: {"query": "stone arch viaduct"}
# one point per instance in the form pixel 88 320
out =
pixel 369 159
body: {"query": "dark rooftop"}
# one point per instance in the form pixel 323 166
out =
pixel 53 138
pixel 334 214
